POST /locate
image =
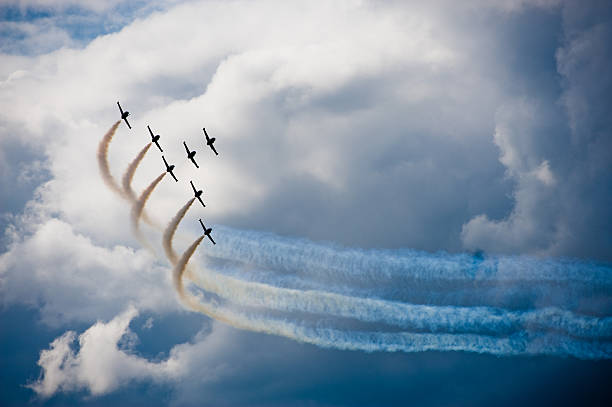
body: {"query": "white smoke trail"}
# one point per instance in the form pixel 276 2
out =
pixel 316 259
pixel 404 341
pixel 103 160
pixel 128 176
pixel 126 181
pixel 139 205
pixel 170 231
pixel 408 316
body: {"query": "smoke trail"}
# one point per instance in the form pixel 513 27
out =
pixel 403 341
pixel 322 260
pixel 423 317
pixel 171 229
pixel 516 282
pixel 126 181
pixel 140 203
pixel 103 160
pixel 408 316
pixel 130 171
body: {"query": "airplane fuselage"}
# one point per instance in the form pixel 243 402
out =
pixel 210 141
pixel 124 115
pixel 191 155
pixel 156 138
pixel 169 168
pixel 198 194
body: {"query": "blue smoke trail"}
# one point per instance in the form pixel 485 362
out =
pixel 291 254
pixel 517 344
pixel 487 320
pixel 516 282
pixel 543 325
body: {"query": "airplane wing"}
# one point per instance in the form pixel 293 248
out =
pixel 171 173
pixel 206 134
pixel 194 162
pixel 202 202
pixel 165 162
pixel 120 109
pixel 160 149
pixel 186 149
pixel 213 149
pixel 150 132
pixel 203 227
pixel 128 123
pixel 192 187
pixel 211 239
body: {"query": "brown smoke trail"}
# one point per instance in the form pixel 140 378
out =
pixel 103 160
pixel 212 310
pixel 140 203
pixel 171 229
pixel 126 181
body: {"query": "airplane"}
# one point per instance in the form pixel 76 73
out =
pixel 210 141
pixel 197 193
pixel 124 115
pixel 207 232
pixel 169 168
pixel 190 155
pixel 154 139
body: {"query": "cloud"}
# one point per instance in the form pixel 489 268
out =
pixel 70 278
pixel 99 365
pixel 437 127
pixel 560 206
pixel 105 359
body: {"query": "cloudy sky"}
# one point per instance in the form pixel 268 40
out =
pixel 412 203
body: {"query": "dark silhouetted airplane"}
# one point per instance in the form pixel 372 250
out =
pixel 197 193
pixel 155 139
pixel 207 232
pixel 124 115
pixel 190 155
pixel 210 141
pixel 169 168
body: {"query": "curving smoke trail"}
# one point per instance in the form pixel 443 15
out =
pixel 171 229
pixel 139 205
pixel 126 181
pixel 483 329
pixel 453 319
pixel 517 344
pixel 128 176
pixel 488 320
pixel 515 282
pixel 103 160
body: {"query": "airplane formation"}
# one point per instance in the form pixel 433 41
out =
pixel 170 167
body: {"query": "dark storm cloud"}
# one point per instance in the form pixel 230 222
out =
pixel 564 210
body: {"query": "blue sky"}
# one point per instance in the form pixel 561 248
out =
pixel 411 203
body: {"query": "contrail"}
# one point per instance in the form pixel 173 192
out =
pixel 518 344
pixel 103 160
pixel 130 171
pixel 138 206
pixel 171 229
